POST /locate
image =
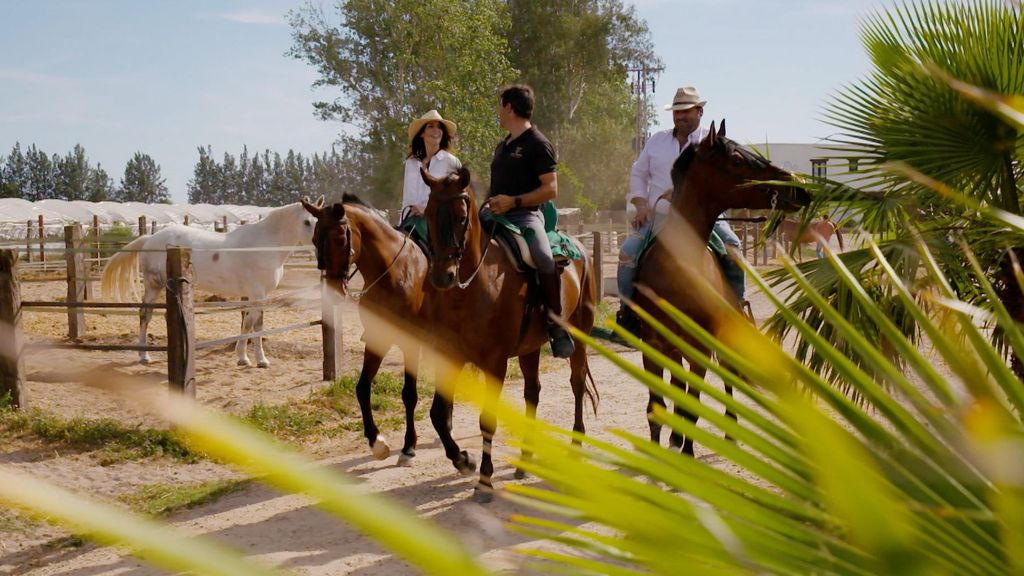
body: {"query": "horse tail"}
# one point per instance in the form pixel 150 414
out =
pixel 588 295
pixel 121 274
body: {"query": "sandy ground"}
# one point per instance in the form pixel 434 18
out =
pixel 282 530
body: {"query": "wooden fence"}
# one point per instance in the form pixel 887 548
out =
pixel 179 310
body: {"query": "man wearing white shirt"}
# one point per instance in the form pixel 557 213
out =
pixel 650 178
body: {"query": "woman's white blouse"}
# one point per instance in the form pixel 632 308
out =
pixel 415 192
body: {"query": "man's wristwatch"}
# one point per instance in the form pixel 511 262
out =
pixel 519 201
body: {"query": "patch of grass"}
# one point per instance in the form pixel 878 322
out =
pixel 114 441
pixel 162 499
pixel 334 409
pixel 606 308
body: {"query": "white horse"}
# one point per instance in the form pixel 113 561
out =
pixel 250 274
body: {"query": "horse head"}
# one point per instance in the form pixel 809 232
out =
pixel 730 176
pixel 332 238
pixel 449 211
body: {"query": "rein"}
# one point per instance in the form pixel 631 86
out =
pixel 464 285
pixel 357 296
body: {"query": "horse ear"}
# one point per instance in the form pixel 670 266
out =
pixel 320 201
pixel 338 210
pixel 464 177
pixel 712 137
pixel 721 129
pixel 314 209
pixel 427 178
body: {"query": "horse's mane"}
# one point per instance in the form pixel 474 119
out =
pixel 682 165
pixel 351 199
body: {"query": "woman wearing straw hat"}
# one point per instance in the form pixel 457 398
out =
pixel 430 139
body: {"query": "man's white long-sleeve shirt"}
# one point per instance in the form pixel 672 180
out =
pixel 651 175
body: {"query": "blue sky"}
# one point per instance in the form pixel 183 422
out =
pixel 164 77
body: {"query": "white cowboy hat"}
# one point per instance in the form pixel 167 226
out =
pixel 686 97
pixel 432 116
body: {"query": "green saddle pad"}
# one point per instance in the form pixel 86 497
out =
pixel 561 245
pixel 418 224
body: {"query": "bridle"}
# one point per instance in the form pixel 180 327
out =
pixel 324 245
pixel 457 244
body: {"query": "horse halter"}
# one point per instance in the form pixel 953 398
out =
pixel 324 248
pixel 446 229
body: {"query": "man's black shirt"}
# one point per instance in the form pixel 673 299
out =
pixel 518 164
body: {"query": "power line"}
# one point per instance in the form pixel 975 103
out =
pixel 642 84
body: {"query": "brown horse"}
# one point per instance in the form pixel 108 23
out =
pixel 394 271
pixel 815 232
pixel 482 314
pixel 707 179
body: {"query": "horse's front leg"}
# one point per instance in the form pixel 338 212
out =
pixel 441 418
pixel 371 364
pixel 698 371
pixel 243 343
pixel 654 399
pixel 409 400
pixel 484 491
pixel 257 341
pixel 529 364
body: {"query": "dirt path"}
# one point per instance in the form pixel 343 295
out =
pixel 285 530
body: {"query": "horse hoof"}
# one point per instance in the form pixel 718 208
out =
pixel 519 474
pixel 465 464
pixel 245 363
pixel 144 361
pixel 483 494
pixel 380 448
pixel 406 458
pixel 263 364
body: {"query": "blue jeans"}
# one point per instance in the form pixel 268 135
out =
pixel 626 272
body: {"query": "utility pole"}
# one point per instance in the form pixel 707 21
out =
pixel 642 84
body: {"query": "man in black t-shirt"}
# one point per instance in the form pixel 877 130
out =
pixel 522 178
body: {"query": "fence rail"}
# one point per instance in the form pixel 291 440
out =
pixel 180 314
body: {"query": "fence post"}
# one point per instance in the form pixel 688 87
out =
pixel 42 241
pixel 224 223
pixel 142 225
pixel 28 242
pixel 78 278
pixel 186 219
pixel 330 327
pixel 12 341
pixel 599 265
pixel 181 334
pixel 96 241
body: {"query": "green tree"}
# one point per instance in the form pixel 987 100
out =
pixel 15 174
pixel 576 54
pixel 99 186
pixel 914 134
pixel 203 186
pixel 41 175
pixel 394 60
pixel 72 174
pixel 142 181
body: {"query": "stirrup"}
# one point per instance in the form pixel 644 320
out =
pixel 562 345
pixel 628 319
pixel 747 311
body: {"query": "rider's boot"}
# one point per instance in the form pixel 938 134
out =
pixel 551 288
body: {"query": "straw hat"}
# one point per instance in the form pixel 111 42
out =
pixel 686 97
pixel 432 116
